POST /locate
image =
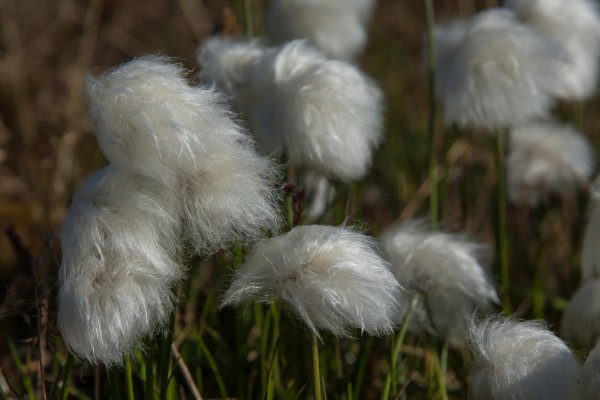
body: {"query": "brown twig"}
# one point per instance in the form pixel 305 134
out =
pixel 186 372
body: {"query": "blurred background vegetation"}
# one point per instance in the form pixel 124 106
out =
pixel 46 150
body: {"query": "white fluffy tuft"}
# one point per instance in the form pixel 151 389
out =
pixel 521 360
pixel 575 25
pixel 590 377
pixel 546 158
pixel 332 278
pixel 325 113
pixel 590 252
pixel 336 27
pixel 581 319
pixel 444 269
pixel 119 243
pixel 149 121
pixel 232 197
pixel 502 74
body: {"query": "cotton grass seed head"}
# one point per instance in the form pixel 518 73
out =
pixel 502 74
pixel 325 113
pixel 546 158
pixel 575 25
pixel 590 252
pixel 521 360
pixel 149 121
pixel 581 319
pixel 231 198
pixel 336 27
pixel 590 377
pixel 332 278
pixel 119 244
pixel 444 269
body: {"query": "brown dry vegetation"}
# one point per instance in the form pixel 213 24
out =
pixel 48 46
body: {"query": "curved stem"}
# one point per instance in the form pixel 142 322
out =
pixel 316 368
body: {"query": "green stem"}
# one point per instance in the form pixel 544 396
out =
pixel 316 369
pixel 501 230
pixel 149 359
pixel 165 358
pixel 433 161
pixel 113 377
pixel 443 367
pixel 249 18
pixel 129 378
pixel 64 391
pixel 578 114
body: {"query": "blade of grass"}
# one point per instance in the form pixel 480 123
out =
pixel 316 367
pixel 213 366
pixel 27 383
pixel 129 378
pixel 66 381
pixel 431 128
pixel 501 233
pixel 185 372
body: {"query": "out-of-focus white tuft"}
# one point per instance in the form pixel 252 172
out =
pixel 149 121
pixel 546 158
pixel 521 360
pixel 590 252
pixel 448 38
pixel 332 278
pixel 575 25
pixel 227 63
pixel 325 113
pixel 336 27
pixel 232 197
pixel 502 74
pixel 590 377
pixel 119 245
pixel 581 319
pixel 444 270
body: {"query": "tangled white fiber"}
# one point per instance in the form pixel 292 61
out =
pixel 502 74
pixel 590 377
pixel 444 269
pixel 332 278
pixel 119 245
pixel 521 360
pixel 545 158
pixel 581 319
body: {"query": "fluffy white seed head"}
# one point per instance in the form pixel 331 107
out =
pixel 590 252
pixel 325 113
pixel 575 25
pixel 590 377
pixel 444 269
pixel 546 158
pixel 119 244
pixel 581 319
pixel 231 198
pixel 503 73
pixel 149 121
pixel 521 360
pixel 336 27
pixel 332 278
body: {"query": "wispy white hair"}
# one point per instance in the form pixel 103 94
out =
pixel 521 360
pixel 232 197
pixel 149 121
pixel 445 270
pixel 575 24
pixel 590 252
pixel 590 377
pixel 332 278
pixel 326 113
pixel 503 73
pixel 336 27
pixel 320 193
pixel 546 158
pixel 119 248
pixel 581 319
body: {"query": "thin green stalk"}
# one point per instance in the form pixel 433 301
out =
pixel 578 114
pixel 501 230
pixel 113 378
pixel 165 359
pixel 433 161
pixel 316 368
pixel 64 390
pixel 149 361
pixel 362 366
pixel 274 351
pixel 249 18
pixel 21 368
pixel 264 341
pixel 129 378
pixel 213 366
pixel 443 367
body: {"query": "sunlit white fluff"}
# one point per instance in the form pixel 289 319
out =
pixel 575 24
pixel 119 244
pixel 232 197
pixel 502 74
pixel 521 360
pixel 319 195
pixel 546 158
pixel 149 121
pixel 332 278
pixel 325 113
pixel 445 270
pixel 581 319
pixel 336 27
pixel 590 252
pixel 590 377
